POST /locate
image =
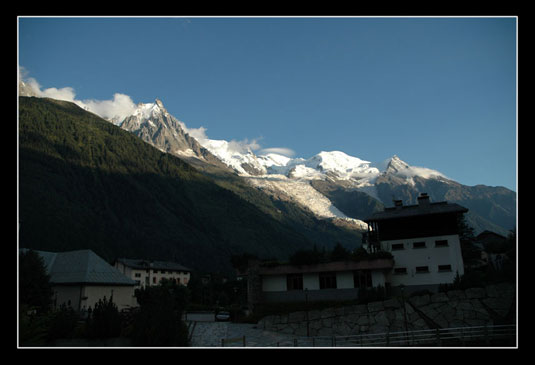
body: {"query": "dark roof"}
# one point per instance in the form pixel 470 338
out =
pixel 416 210
pixel 488 234
pixel 155 265
pixel 81 267
pixel 376 264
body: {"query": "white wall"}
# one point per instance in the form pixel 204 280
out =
pixel 274 283
pixel 311 281
pixel 85 296
pixel 68 295
pixel 378 278
pixel 430 256
pixel 123 296
pixel 344 280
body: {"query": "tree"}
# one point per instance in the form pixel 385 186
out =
pixel 471 254
pixel 340 253
pixel 159 319
pixel 308 257
pixel 35 290
pixel 105 320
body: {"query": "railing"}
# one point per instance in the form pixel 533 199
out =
pixel 480 336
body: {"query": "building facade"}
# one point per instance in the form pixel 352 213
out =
pixel 424 241
pixel 330 281
pixel 147 273
pixel 80 278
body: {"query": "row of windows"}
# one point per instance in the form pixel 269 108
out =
pixel 361 279
pixel 165 272
pixel 421 269
pixel 156 281
pixel 138 274
pixel 420 244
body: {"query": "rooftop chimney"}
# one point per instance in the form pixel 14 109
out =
pixel 423 200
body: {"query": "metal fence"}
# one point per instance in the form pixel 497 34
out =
pixel 479 336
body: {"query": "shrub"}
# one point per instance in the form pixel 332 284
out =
pixel 158 322
pixel 63 323
pixel 105 320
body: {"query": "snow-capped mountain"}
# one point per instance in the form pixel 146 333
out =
pixel 152 123
pixel 321 183
pixel 277 175
pixel 329 184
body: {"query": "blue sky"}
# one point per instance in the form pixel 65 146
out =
pixel 438 92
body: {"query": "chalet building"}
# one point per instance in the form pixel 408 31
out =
pixel 330 281
pixel 81 278
pixel 147 273
pixel 423 239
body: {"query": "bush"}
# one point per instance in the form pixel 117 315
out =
pixel 63 323
pixel 158 322
pixel 33 328
pixel 105 320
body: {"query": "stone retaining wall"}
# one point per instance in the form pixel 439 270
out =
pixel 456 308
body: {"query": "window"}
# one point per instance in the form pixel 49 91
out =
pixel 137 275
pixel 418 245
pixel 441 243
pixel 400 270
pixel 422 269
pixel 327 280
pixel 362 279
pixel 444 267
pixel 397 246
pixel 294 281
pixel 154 280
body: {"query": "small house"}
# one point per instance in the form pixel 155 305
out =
pixel 81 278
pixel 327 281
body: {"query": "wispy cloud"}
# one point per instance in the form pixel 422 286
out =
pixel 278 150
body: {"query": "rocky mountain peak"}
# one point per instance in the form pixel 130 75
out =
pixel 396 165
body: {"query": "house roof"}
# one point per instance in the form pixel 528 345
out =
pixel 416 210
pixel 376 264
pixel 155 265
pixel 81 267
pixel 489 235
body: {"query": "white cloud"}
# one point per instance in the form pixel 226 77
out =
pixel 119 107
pixel 198 133
pixel 278 150
pixel 424 172
pixel 243 146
